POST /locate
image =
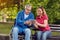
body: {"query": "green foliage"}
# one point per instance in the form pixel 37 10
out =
pixel 52 8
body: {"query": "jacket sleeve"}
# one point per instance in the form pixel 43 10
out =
pixel 31 17
pixel 19 21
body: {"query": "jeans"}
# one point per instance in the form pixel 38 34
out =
pixel 16 30
pixel 43 35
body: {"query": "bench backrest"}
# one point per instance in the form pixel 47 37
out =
pixel 55 27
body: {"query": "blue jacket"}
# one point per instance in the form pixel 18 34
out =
pixel 20 19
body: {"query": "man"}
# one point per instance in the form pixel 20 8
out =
pixel 23 22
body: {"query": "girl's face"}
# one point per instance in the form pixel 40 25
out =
pixel 39 11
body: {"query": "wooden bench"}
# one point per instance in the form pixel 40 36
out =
pixel 54 28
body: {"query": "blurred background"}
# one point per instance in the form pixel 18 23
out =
pixel 10 8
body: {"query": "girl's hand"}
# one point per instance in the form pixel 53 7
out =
pixel 36 26
pixel 37 23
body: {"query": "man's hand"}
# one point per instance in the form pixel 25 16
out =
pixel 35 22
pixel 28 22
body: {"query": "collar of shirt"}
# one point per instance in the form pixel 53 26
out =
pixel 25 16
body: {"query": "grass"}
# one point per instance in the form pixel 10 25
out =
pixel 5 28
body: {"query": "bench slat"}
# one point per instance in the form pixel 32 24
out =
pixel 55 30
pixel 55 27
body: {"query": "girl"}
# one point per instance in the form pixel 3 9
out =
pixel 41 23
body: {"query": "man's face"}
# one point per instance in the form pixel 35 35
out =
pixel 28 10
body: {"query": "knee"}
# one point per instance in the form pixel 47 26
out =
pixel 15 29
pixel 27 31
pixel 44 36
pixel 39 33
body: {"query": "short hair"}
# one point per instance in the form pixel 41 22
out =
pixel 27 6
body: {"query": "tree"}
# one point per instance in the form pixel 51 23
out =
pixel 52 7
